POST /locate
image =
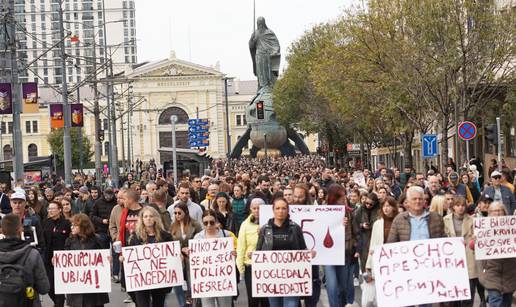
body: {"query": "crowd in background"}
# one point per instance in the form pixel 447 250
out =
pixel 382 205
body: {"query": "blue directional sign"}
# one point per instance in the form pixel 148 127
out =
pixel 198 132
pixel 430 145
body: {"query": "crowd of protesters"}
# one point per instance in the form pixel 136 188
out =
pixel 382 206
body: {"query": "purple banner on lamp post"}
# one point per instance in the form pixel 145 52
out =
pixel 6 102
pixel 77 112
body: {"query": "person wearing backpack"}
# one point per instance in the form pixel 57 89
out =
pixel 22 271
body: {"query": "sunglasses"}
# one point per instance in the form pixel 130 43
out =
pixel 206 223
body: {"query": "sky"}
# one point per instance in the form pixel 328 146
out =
pixel 207 31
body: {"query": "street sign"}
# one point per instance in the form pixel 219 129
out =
pixel 429 145
pixel 198 132
pixel 467 131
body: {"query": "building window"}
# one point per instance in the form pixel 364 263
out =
pixel 10 128
pixel 8 152
pixel 34 126
pixel 182 116
pixel 244 120
pixel 33 151
pixel 3 127
pixel 106 149
pixel 238 120
pixel 105 124
pixel 27 127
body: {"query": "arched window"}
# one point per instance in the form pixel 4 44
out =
pixel 8 152
pixel 182 116
pixel 33 151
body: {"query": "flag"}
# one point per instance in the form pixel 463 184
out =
pixel 56 116
pixel 6 102
pixel 30 97
pixel 77 115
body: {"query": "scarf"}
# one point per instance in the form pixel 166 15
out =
pixel 123 220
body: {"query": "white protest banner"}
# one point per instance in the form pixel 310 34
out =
pixel 82 271
pixel 495 237
pixel 322 227
pixel 281 273
pixel 212 267
pixel 153 266
pixel 421 272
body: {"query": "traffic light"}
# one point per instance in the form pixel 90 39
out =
pixel 492 134
pixel 259 110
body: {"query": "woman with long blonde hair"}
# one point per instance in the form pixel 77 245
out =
pixel 149 229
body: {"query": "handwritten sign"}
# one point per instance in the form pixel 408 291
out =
pixel 212 267
pixel 421 272
pixel 82 271
pixel 281 273
pixel 153 266
pixel 322 227
pixel 495 237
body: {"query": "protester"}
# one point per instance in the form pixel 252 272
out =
pixel 149 229
pixel 66 204
pixel 501 193
pixel 238 205
pixel 416 223
pixel 100 214
pixel 184 228
pixel 211 230
pixel 35 204
pixel 194 209
pixel 247 239
pixel 83 203
pixel 460 224
pixel 222 205
pixel 365 216
pixel 128 221
pixel 56 230
pixel 32 230
pixel 280 233
pixel 439 204
pixel 498 276
pixel 207 203
pixel 83 238
pixel 5 206
pixel 158 200
pixel 380 232
pixel 15 251
pixel 339 278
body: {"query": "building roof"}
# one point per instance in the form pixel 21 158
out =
pixel 239 87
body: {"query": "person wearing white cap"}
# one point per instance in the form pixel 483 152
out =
pixel 499 192
pixel 29 219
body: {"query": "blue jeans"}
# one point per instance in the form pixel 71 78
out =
pixel 180 295
pixel 287 301
pixel 498 299
pixel 339 284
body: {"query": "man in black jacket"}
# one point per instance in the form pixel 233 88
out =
pixel 100 214
pixel 13 249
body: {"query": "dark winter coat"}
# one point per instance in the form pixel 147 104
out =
pixel 296 241
pixel 102 210
pixel 87 299
pixel 498 274
pixel 12 250
pixel 56 232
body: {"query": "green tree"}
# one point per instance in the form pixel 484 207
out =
pixel 55 139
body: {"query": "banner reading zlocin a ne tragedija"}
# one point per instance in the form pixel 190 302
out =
pixel 322 227
pixel 212 267
pixel 82 271
pixel 152 266
pixel 281 273
pixel 495 237
pixel 421 272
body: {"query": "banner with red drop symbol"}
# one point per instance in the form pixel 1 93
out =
pixel 82 271
pixel 323 229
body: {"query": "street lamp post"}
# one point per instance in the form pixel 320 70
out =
pixel 173 120
pixel 67 143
